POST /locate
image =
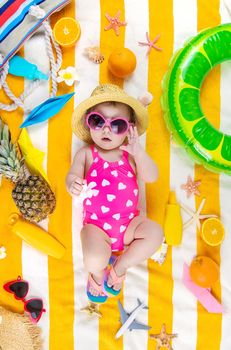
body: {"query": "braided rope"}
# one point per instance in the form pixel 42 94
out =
pixel 55 66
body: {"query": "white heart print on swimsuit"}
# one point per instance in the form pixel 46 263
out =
pixel 117 198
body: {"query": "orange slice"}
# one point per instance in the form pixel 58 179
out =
pixel 66 31
pixel 213 231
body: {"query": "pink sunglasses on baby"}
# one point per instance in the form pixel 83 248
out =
pixel 96 121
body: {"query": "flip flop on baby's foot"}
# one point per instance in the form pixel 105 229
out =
pixel 112 282
pixel 94 291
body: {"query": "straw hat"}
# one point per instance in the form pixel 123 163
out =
pixel 105 93
pixel 17 332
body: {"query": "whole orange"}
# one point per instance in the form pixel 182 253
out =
pixel 204 271
pixel 122 62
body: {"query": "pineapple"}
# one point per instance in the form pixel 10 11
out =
pixel 31 194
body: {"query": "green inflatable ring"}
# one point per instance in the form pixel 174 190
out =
pixel 181 98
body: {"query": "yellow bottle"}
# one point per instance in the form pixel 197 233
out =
pixel 173 227
pixel 36 236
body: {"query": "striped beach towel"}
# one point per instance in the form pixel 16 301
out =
pixel 17 25
pixel 62 283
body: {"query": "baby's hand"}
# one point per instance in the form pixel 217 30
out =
pixel 76 186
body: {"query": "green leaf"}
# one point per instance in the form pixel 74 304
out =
pixel 3 160
pixel 5 133
pixel 3 152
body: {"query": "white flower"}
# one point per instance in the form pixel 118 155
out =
pixel 68 75
pixel 87 192
pixel 2 252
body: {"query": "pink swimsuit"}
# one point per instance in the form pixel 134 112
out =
pixel 115 198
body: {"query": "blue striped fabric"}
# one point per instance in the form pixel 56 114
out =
pixel 17 18
pixel 21 25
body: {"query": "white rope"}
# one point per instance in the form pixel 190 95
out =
pixel 3 73
pixel 39 13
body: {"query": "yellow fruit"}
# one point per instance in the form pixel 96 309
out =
pixel 66 31
pixel 213 231
pixel 204 271
pixel 122 62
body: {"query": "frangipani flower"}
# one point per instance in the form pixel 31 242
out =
pixel 87 192
pixel 68 75
pixel 2 252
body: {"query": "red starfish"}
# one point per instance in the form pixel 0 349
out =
pixel 150 43
pixel 115 23
pixel 191 187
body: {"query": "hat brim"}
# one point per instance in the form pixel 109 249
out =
pixel 78 122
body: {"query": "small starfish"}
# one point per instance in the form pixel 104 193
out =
pixel 196 216
pixel 163 339
pixel 92 309
pixel 191 187
pixel 150 43
pixel 115 23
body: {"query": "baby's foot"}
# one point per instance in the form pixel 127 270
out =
pixel 119 271
pixel 98 281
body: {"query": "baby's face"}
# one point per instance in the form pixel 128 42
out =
pixel 104 137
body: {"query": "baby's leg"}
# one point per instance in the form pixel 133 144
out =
pixel 96 246
pixel 143 237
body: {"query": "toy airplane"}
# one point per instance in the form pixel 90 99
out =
pixel 128 319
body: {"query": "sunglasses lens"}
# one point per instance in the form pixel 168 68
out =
pixel 20 289
pixel 95 121
pixel 119 126
pixel 34 307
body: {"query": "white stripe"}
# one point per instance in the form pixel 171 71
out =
pixel 225 198
pixel 35 263
pixel 136 282
pixel 184 303
pixel 85 327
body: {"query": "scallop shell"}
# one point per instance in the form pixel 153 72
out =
pixel 94 54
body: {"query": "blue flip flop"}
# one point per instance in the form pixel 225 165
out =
pixel 101 298
pixel 110 291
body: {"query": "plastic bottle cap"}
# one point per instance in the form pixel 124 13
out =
pixel 40 75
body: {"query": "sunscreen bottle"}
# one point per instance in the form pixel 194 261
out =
pixel 22 68
pixel 36 236
pixel 173 227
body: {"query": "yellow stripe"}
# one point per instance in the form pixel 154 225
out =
pixel 209 325
pixel 61 278
pixel 11 266
pixel 109 40
pixel 160 280
pixel 108 324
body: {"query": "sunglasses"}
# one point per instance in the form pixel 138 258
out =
pixel 20 289
pixel 118 126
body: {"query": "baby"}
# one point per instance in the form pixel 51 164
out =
pixel 110 122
